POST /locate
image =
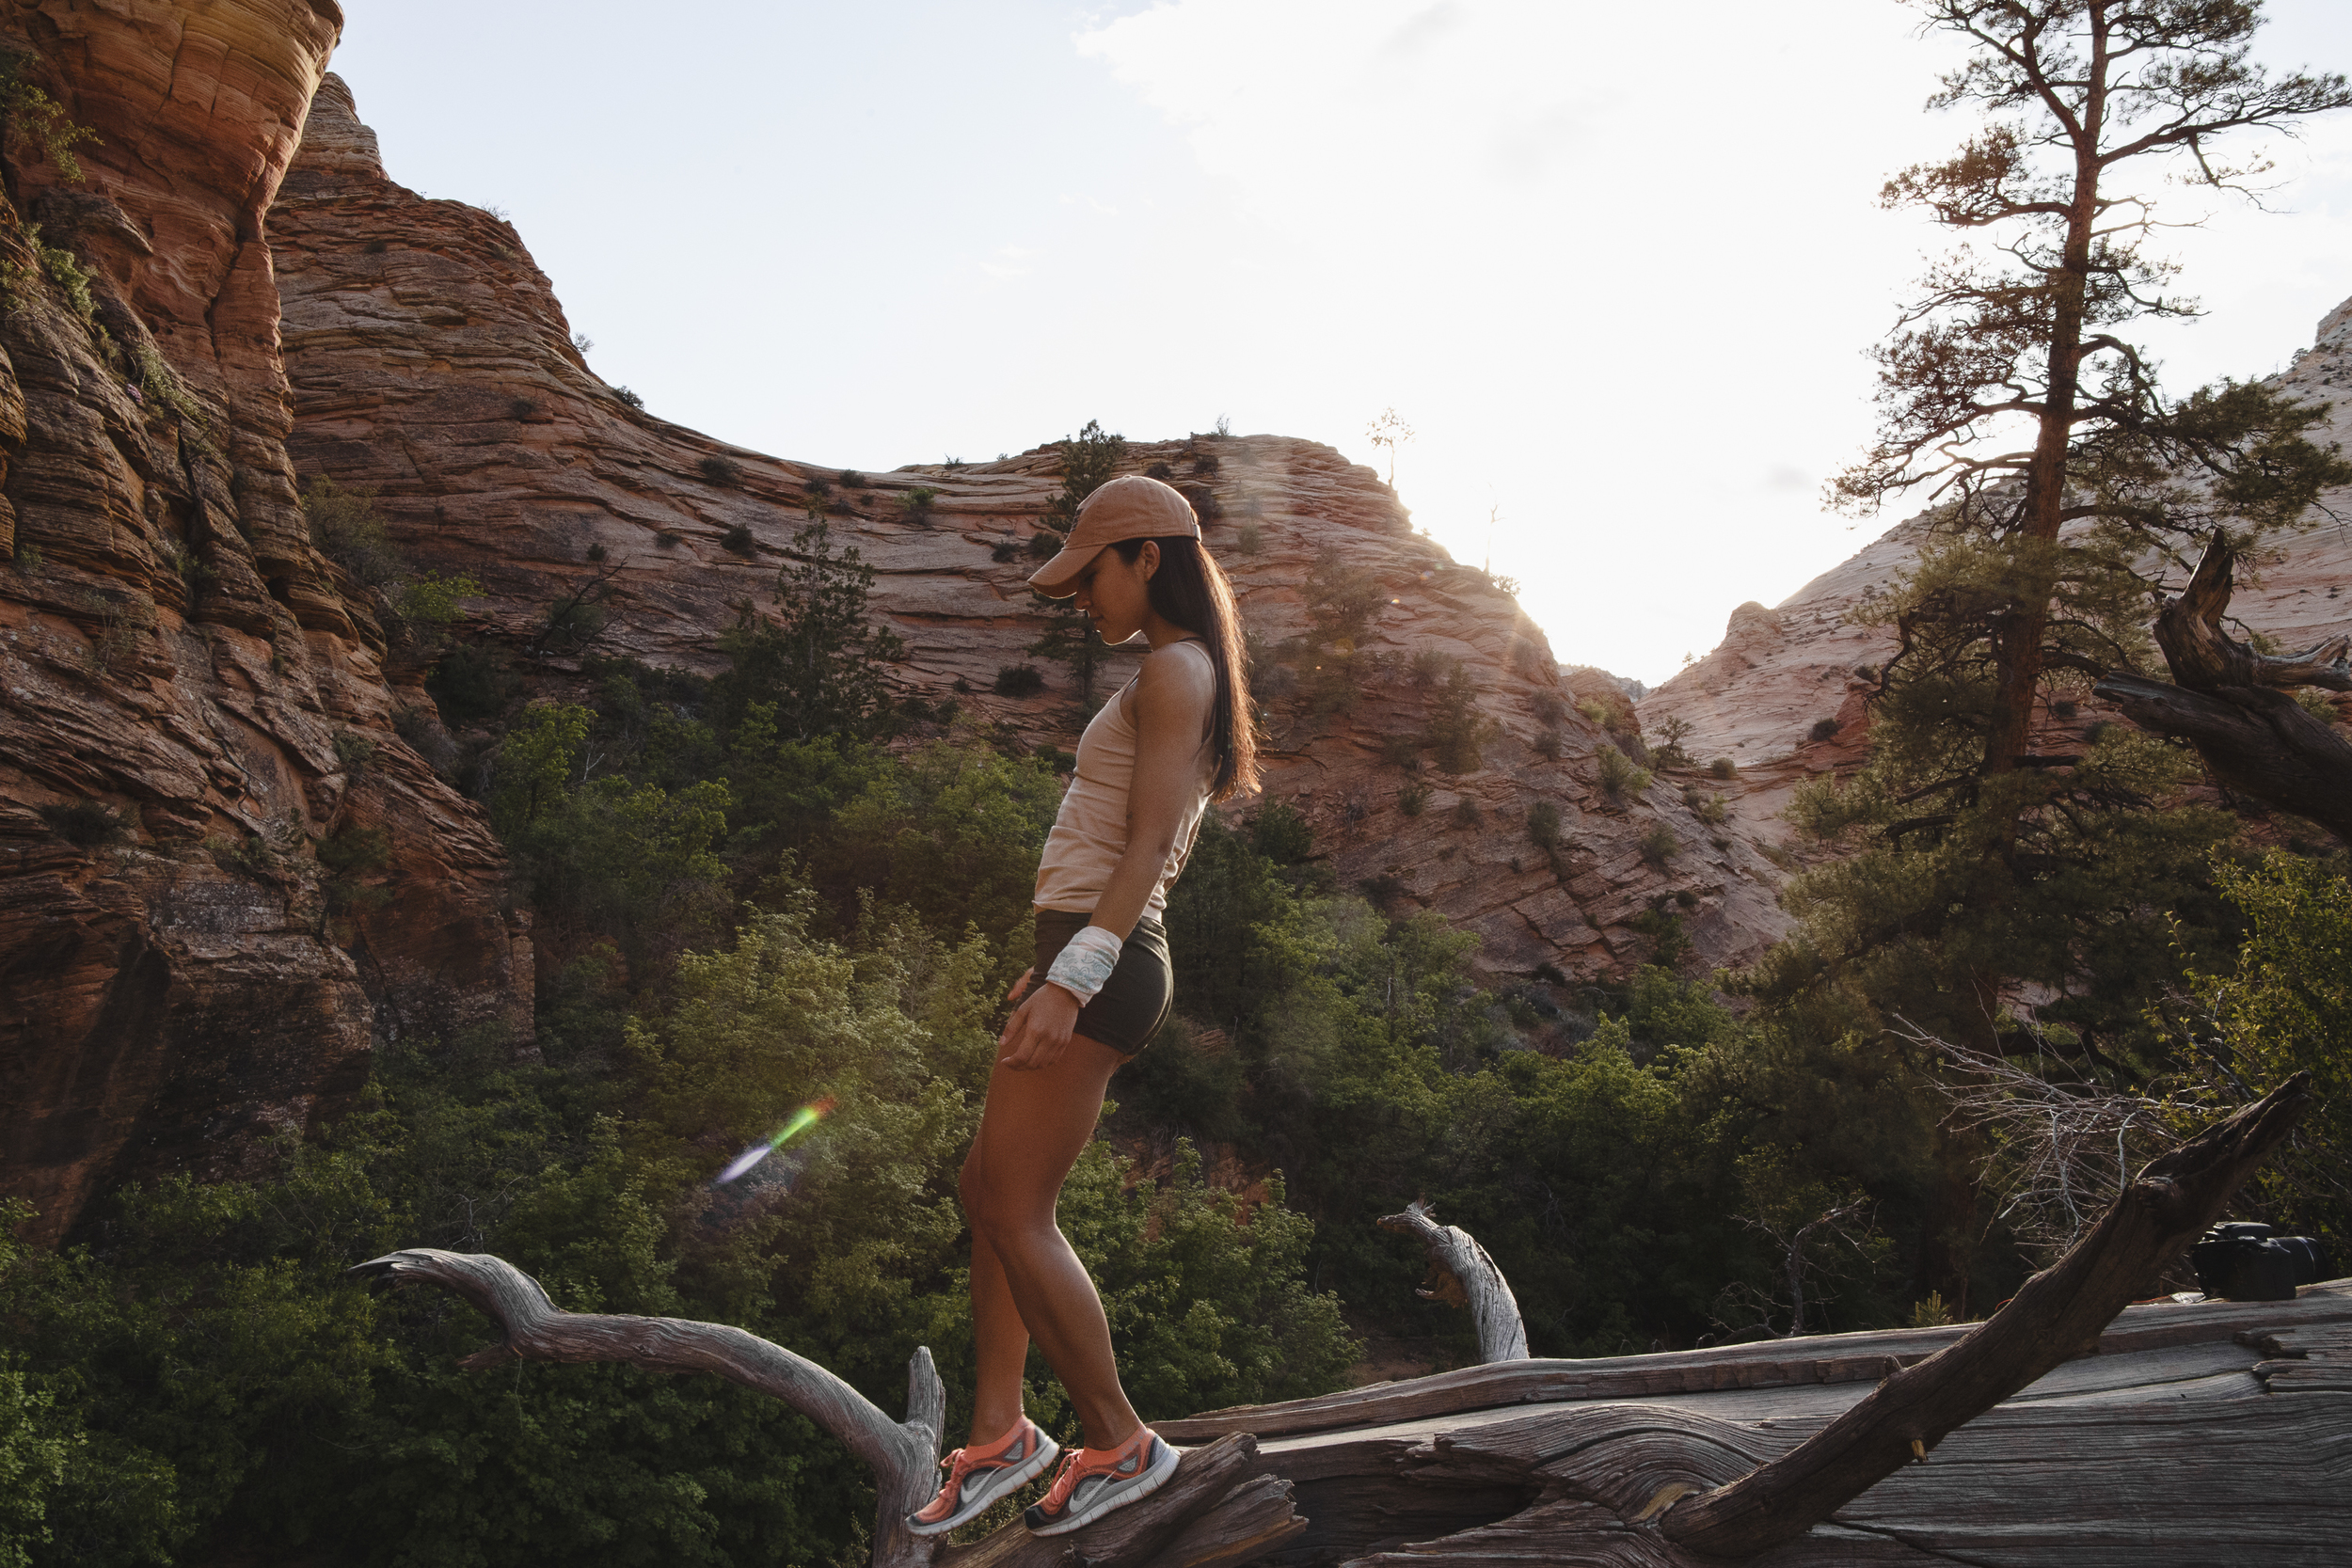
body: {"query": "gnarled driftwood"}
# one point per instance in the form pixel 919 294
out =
pixel 2228 702
pixel 1461 1275
pixel 1212 1506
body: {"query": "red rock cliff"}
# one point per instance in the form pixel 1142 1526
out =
pixel 189 700
pixel 431 360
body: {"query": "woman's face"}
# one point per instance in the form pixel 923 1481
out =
pixel 1115 593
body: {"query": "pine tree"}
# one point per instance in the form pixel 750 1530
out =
pixel 2030 900
pixel 819 661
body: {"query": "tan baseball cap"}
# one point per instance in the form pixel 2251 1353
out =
pixel 1128 507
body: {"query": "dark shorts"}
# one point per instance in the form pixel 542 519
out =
pixel 1134 1001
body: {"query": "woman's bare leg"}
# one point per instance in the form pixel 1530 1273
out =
pixel 1025 1280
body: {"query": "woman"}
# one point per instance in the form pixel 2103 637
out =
pixel 1174 738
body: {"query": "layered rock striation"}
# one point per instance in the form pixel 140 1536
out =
pixel 191 698
pixel 432 363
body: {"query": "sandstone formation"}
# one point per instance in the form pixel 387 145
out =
pixel 190 699
pixel 1779 673
pixel 432 363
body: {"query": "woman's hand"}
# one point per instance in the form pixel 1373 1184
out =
pixel 1039 1029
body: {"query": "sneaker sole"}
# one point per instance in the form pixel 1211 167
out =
pixel 1143 1486
pixel 1001 1483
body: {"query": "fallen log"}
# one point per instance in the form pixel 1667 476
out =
pixel 1461 1275
pixel 2057 1314
pixel 2228 702
pixel 1212 1501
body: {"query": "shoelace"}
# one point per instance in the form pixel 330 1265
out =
pixel 957 1466
pixel 1076 1469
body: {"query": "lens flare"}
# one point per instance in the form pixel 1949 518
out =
pixel 803 1119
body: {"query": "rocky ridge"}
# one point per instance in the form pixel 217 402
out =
pixel 190 698
pixel 432 363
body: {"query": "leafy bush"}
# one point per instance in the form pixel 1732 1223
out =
pixel 84 823
pixel 1619 773
pixel 720 471
pixel 1411 796
pixel 918 500
pixel 348 531
pixel 1824 729
pixel 1160 471
pixel 1019 680
pixel 1723 768
pixel 1547 744
pixel 631 399
pixel 1543 825
pixel 738 540
pixel 427 605
pixel 471 683
pixel 853 480
pixel 1457 727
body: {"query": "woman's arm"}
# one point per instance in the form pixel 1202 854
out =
pixel 1173 698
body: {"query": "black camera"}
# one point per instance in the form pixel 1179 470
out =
pixel 2245 1262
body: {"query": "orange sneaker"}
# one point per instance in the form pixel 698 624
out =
pixel 976 1480
pixel 1093 1481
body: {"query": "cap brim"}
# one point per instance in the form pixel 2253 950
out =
pixel 1058 577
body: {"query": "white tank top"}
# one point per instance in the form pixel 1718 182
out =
pixel 1091 830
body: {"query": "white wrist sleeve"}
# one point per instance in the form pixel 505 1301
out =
pixel 1085 965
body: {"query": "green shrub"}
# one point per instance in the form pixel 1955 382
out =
pixel 1281 835
pixel 84 823
pixel 1543 825
pixel 918 500
pixel 1160 471
pixel 1660 844
pixel 1713 810
pixel 427 605
pixel 348 531
pixel 1019 680
pixel 738 540
pixel 471 683
pixel 1824 729
pixel 631 399
pixel 1619 775
pixel 853 480
pixel 1411 796
pixel 720 471
pixel 355 752
pixel 1723 768
pixel 1547 744
pixel 1457 728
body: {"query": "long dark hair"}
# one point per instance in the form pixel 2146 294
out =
pixel 1190 591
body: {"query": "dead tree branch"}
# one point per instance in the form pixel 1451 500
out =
pixel 2229 705
pixel 2058 1314
pixel 1217 1512
pixel 1461 1275
pixel 2064 1153
pixel 900 1453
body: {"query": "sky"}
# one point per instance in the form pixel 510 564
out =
pixel 1616 266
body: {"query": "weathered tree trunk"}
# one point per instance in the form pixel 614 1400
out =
pixel 2228 703
pixel 1194 1521
pixel 2055 1315
pixel 1461 1275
